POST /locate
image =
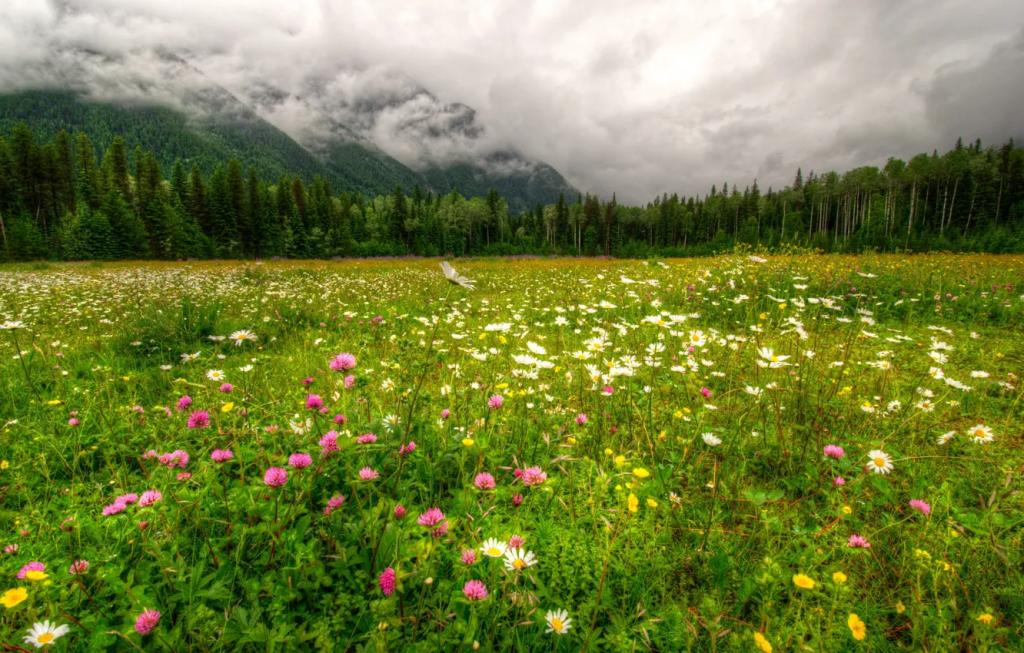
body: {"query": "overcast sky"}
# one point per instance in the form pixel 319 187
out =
pixel 638 97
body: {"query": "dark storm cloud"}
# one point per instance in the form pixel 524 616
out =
pixel 983 99
pixel 637 97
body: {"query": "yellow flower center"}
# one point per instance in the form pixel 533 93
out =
pixel 879 462
pixel 556 623
pixel 519 563
pixel 494 551
pixel 45 638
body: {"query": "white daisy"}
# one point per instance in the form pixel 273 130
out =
pixel 945 437
pixel 493 548
pixel 242 335
pixel 981 434
pixel 535 348
pixel 711 439
pixel 44 633
pixel 215 375
pixel 879 462
pixel 558 622
pixel 770 359
pixel 518 559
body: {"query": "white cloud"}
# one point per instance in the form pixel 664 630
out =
pixel 637 97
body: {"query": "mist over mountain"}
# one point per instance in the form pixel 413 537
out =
pixel 366 131
pixel 637 98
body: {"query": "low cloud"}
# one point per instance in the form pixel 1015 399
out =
pixel 637 98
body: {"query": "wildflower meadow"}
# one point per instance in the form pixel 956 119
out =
pixel 738 453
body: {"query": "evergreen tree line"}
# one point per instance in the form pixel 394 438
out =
pixel 62 199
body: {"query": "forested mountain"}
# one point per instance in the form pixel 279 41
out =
pixel 227 128
pixel 61 197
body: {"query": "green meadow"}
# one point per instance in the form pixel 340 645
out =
pixel 788 453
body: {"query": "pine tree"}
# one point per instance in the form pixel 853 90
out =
pixel 115 168
pixel 179 183
pixel 87 179
pixel 238 213
pixel 257 222
pixel 129 233
pixel 65 171
pixel 196 205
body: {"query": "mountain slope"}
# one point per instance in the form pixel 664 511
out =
pixel 447 143
pixel 168 133
pixel 227 128
pixel 527 184
pixel 205 141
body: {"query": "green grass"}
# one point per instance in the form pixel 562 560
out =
pixel 650 538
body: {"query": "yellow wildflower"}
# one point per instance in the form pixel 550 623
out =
pixel 633 502
pixel 804 581
pixel 762 643
pixel 857 627
pixel 986 618
pixel 35 575
pixel 651 503
pixel 640 472
pixel 839 578
pixel 467 442
pixel 13 597
pixel 228 407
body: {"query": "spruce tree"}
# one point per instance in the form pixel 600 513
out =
pixel 88 187
pixel 237 213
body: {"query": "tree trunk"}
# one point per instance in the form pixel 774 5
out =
pixel 810 222
pixel 910 215
pixel 942 214
pixel 783 238
pixel 970 211
pixel 952 203
pixel 999 198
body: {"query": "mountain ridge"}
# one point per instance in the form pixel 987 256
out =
pixel 229 127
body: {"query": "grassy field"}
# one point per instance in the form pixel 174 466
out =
pixel 817 453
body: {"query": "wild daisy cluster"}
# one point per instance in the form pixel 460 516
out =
pixel 595 455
